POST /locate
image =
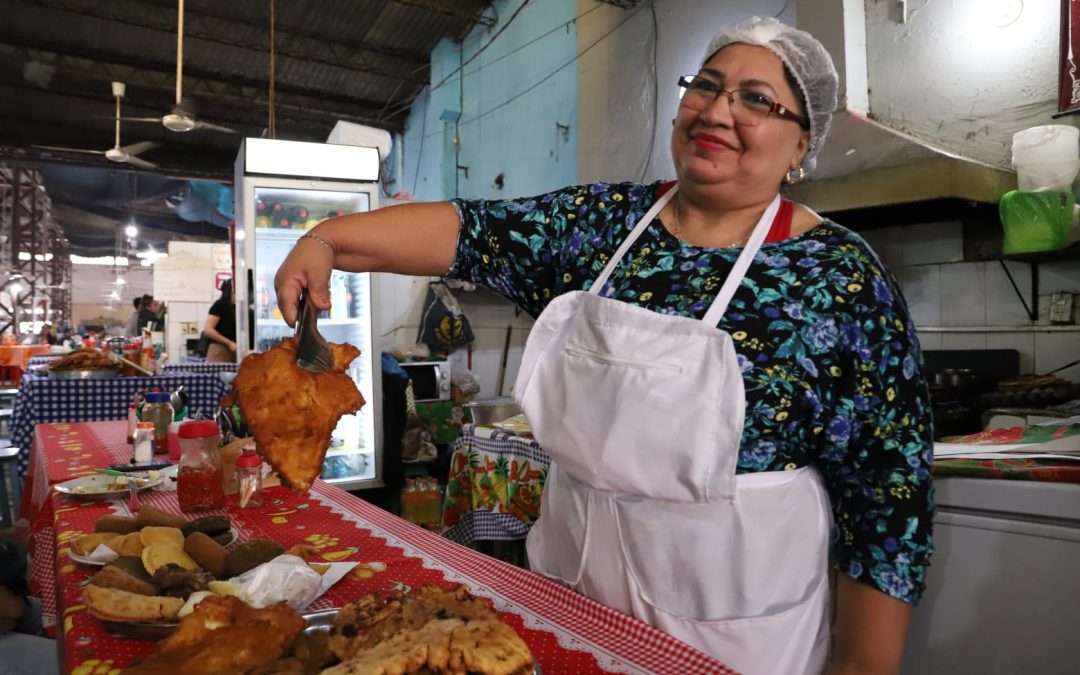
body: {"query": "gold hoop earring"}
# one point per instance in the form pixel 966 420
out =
pixel 794 176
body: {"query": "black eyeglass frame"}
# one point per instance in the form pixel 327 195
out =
pixel 775 108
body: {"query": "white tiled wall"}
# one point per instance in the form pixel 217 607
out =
pixel 945 293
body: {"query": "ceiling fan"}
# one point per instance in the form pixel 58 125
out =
pixel 127 154
pixel 182 117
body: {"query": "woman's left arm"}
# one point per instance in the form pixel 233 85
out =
pixel 869 632
pixel 876 463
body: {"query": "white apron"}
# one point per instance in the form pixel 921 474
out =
pixel 642 415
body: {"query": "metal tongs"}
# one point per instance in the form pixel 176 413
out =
pixel 312 352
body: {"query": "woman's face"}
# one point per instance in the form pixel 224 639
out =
pixel 712 151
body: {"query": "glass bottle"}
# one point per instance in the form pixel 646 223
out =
pixel 199 482
pixel 249 479
pixel 159 411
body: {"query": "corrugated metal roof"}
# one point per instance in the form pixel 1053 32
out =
pixel 334 59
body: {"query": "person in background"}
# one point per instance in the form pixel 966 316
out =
pixel 131 328
pixel 24 649
pixel 221 326
pixel 150 313
pixel 48 336
pixel 729 385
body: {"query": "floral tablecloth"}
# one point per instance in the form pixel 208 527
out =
pixel 567 632
pixel 494 486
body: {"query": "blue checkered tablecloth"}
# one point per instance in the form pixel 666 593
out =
pixel 44 399
pixel 207 367
pixel 494 486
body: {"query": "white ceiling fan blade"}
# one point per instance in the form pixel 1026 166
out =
pixel 156 120
pixel 140 147
pixel 141 163
pixel 53 147
pixel 207 126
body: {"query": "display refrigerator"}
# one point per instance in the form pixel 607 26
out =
pixel 282 190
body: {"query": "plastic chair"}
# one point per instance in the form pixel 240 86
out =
pixel 9 499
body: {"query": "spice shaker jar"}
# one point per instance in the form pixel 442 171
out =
pixel 199 482
pixel 159 411
pixel 144 442
pixel 249 479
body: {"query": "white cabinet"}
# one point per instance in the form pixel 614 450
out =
pixel 1003 591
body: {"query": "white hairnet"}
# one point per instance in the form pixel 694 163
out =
pixel 805 58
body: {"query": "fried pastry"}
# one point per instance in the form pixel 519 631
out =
pixel 224 636
pixel 293 411
pixel 110 604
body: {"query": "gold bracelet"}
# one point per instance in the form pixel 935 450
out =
pixel 309 235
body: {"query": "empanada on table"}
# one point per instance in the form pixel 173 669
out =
pixel 292 411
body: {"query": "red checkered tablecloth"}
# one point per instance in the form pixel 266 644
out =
pixel 567 632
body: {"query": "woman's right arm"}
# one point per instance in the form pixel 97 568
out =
pixel 416 239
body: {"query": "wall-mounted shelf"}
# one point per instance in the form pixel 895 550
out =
pixel 1035 259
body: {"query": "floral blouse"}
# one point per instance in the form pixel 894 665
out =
pixel 830 360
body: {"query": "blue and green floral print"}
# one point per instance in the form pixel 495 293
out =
pixel 829 356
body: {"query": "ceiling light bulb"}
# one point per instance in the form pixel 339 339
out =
pixel 121 280
pixel 131 230
pixel 16 289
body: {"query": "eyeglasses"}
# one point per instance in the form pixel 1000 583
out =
pixel 747 107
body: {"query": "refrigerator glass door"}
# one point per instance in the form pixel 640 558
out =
pixel 282 215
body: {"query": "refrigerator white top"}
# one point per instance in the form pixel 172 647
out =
pixel 296 158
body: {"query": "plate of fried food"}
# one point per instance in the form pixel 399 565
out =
pixel 82 364
pixel 101 487
pixel 116 537
pixel 430 629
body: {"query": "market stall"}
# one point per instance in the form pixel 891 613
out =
pixel 44 399
pixel 565 631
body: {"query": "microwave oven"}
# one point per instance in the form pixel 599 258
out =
pixel 430 379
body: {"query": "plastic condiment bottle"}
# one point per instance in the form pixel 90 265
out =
pixel 144 442
pixel 249 479
pixel 158 410
pixel 199 482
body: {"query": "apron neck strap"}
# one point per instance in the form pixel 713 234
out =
pixel 598 285
pixel 731 284
pixel 753 245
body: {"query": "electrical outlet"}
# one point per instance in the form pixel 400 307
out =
pixel 189 327
pixel 1061 308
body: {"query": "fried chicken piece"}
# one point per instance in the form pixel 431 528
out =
pixel 292 411
pixel 224 636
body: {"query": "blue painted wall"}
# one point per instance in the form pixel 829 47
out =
pixel 512 120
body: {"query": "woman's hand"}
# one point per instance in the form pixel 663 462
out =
pixel 308 265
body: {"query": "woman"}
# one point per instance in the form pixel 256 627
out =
pixel 728 385
pixel 221 326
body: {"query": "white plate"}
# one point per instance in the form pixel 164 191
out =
pixel 86 561
pixel 96 487
pixel 514 425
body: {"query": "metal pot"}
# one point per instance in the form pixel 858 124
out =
pixel 485 412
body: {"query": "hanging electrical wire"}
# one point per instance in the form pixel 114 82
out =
pixel 404 105
pixel 547 77
pixel 271 122
pixel 655 92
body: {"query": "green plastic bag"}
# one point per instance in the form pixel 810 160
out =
pixel 1035 221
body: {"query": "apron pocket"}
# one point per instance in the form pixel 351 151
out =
pixel 621 424
pixel 760 555
pixel 557 542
